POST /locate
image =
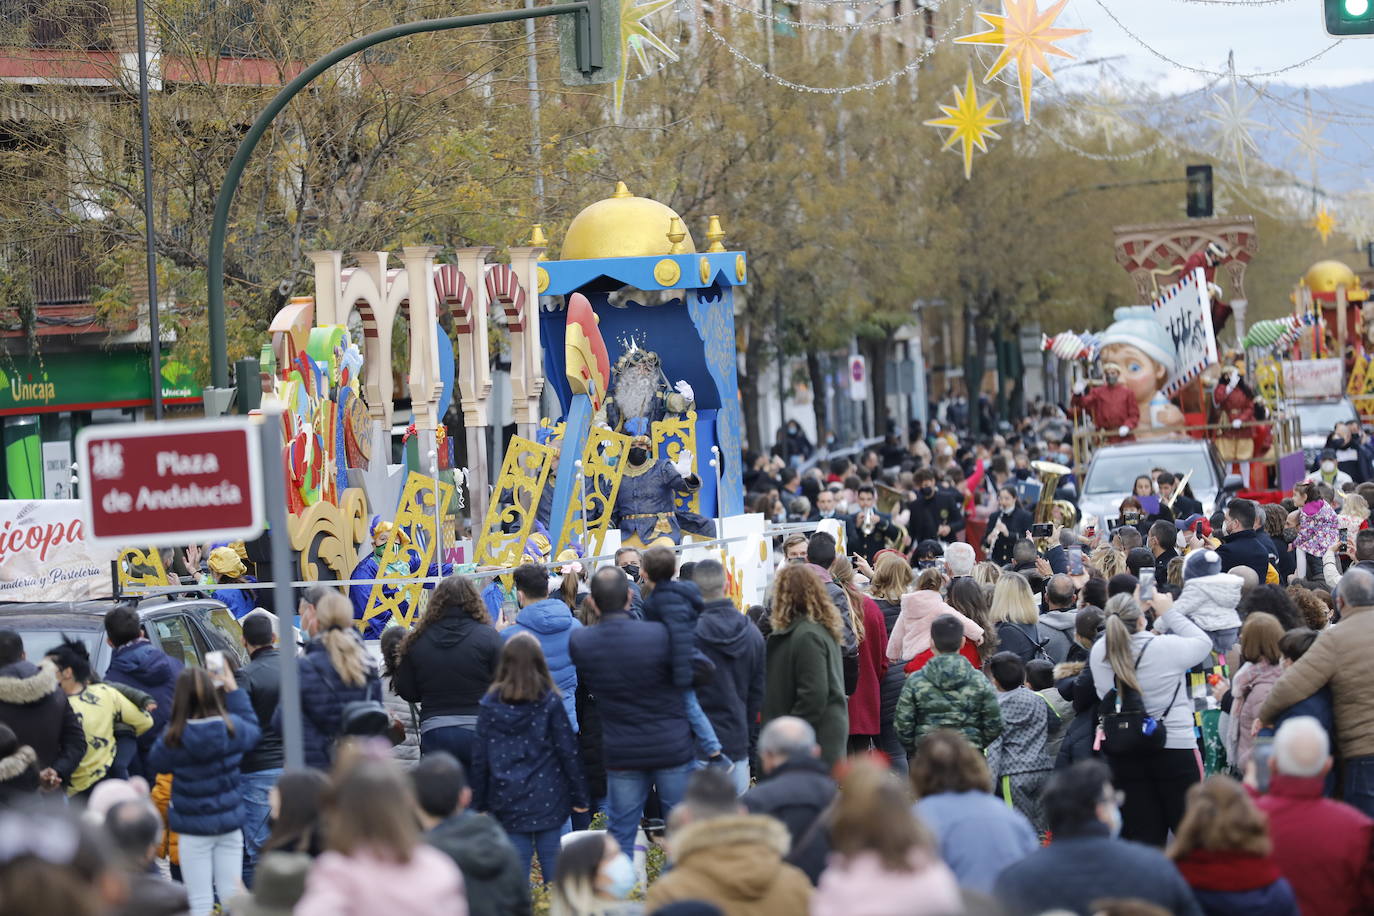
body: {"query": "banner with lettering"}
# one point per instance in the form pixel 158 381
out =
pixel 44 554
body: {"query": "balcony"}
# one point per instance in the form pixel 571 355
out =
pixel 80 24
pixel 57 275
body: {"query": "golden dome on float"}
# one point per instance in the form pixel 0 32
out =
pixel 624 226
pixel 1329 276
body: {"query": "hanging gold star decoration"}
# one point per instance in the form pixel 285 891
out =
pixel 1026 36
pixel 969 121
pixel 1310 140
pixel 1324 222
pixel 634 36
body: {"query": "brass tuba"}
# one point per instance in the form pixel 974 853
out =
pixel 1050 475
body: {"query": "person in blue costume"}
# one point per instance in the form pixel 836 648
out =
pixel 645 509
pixel 226 566
pixel 369 566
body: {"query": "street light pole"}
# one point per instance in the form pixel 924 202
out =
pixel 149 237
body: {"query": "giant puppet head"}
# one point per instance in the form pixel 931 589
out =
pixel 1145 353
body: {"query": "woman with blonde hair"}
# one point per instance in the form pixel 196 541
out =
pixel 1108 561
pixel 805 677
pixel 892 578
pixel 865 703
pixel 341 693
pixel 883 861
pixel 987 573
pixel 1145 673
pixel 911 635
pixel 1222 849
pixel 1015 617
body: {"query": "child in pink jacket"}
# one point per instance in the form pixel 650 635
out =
pixel 911 633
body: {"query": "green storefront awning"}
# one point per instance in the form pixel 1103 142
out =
pixel 89 381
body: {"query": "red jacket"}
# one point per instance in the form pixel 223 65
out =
pixel 1110 406
pixel 1324 848
pixel 865 704
pixel 968 650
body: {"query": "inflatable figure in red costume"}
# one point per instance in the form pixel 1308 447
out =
pixel 1235 406
pixel 1112 406
pixel 1209 259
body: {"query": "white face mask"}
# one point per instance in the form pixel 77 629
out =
pixel 1114 819
pixel 620 874
pixel 1328 466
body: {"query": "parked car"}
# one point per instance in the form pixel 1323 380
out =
pixel 184 629
pixel 1113 469
pixel 1316 419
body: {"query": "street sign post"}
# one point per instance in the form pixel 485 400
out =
pixel 858 378
pixel 171 483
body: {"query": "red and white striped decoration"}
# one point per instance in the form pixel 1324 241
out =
pixel 364 310
pixel 503 286
pixel 455 294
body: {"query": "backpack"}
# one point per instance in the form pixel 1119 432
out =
pixel 1127 727
pixel 1035 647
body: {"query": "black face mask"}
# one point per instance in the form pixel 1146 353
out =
pixel 637 455
pixel 632 569
pixel 927 492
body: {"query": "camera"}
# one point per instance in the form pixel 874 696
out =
pixel 1042 530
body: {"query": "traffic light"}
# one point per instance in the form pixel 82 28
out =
pixel 1199 191
pixel 1349 17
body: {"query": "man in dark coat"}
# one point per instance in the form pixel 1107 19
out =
pixel 262 766
pixel 1242 545
pixel 493 878
pixel 935 514
pixel 143 666
pixel 135 830
pixel 796 789
pixel 1162 541
pixel 733 698
pixel 37 711
pixel 1009 524
pixel 646 739
pixel 1086 861
pixel 820 555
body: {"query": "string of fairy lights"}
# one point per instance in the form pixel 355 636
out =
pixel 1221 120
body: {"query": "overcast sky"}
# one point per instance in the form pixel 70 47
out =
pixel 1199 35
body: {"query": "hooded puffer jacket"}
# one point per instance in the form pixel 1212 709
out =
pixel 525 769
pixel 144 666
pixel 1210 602
pixel 1056 632
pixel 734 697
pixel 735 862
pixel 493 879
pixel 550 622
pixel 911 634
pixel 449 666
pixel 207 798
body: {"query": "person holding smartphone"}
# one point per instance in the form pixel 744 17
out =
pixel 212 726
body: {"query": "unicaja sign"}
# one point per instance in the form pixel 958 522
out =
pixel 171 482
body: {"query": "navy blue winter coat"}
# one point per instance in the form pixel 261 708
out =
pixel 677 605
pixel 626 665
pixel 206 796
pixel 1274 899
pixel 143 665
pixel 525 768
pixel 733 697
pixel 323 697
pixel 551 622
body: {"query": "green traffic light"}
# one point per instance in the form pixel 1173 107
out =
pixel 1346 18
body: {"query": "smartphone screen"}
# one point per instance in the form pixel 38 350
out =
pixel 1042 530
pixel 214 662
pixel 1075 552
pixel 1147 584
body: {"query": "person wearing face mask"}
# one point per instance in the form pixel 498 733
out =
pixel 1241 545
pixel 934 514
pixel 370 567
pixel 1086 860
pixel 595 878
pixel 1112 406
pixel 1009 524
pixel 645 511
pixel 1329 472
pixel 868 530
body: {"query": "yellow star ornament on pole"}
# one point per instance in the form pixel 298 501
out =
pixel 1026 36
pixel 1324 223
pixel 969 121
pixel 634 35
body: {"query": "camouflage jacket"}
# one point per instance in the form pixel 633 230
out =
pixel 948 693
